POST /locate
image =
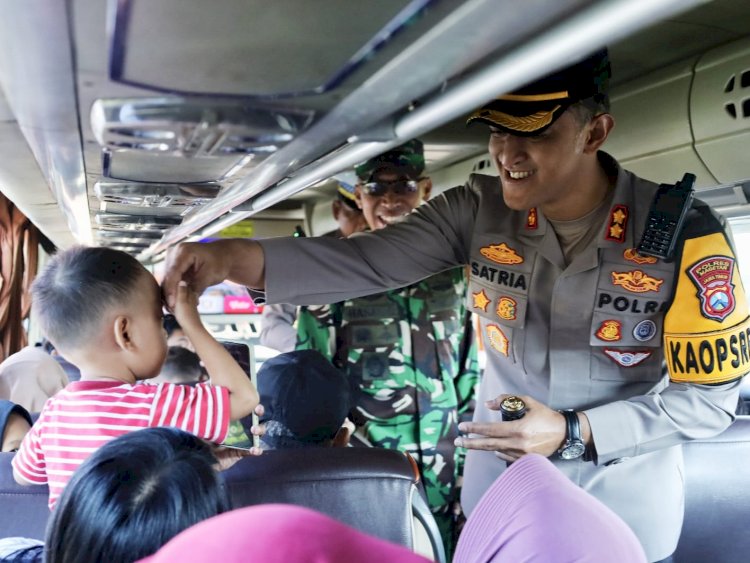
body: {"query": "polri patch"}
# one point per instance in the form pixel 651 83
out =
pixel 610 331
pixel 481 300
pixel 713 278
pixel 636 281
pixel 618 224
pixel 507 308
pixel 497 339
pixel 626 359
pixel 631 255
pixel 501 254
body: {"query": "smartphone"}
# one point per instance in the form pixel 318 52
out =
pixel 243 355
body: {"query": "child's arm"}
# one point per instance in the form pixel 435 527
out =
pixel 20 479
pixel 220 365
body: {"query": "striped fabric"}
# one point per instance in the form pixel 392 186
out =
pixel 87 414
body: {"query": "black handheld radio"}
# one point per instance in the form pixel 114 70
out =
pixel 666 217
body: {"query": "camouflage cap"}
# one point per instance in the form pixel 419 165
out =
pixel 409 157
pixel 535 107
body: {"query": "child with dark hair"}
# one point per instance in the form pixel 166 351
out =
pixel 133 495
pixel 181 366
pixel 103 310
pixel 15 423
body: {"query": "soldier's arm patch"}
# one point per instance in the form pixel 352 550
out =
pixel 707 327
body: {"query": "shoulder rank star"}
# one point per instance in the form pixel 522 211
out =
pixel 618 220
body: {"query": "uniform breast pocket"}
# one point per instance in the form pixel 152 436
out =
pixel 626 348
pixel 503 316
pixel 447 332
pixel 373 351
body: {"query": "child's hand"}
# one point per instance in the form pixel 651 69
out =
pixel 186 307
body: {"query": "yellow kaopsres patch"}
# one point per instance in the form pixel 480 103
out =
pixel 707 328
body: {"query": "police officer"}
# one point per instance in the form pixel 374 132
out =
pixel 577 322
pixel 410 353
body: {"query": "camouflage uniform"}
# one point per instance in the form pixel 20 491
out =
pixel 411 358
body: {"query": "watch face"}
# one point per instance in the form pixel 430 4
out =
pixel 572 450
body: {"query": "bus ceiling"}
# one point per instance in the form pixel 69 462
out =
pixel 137 124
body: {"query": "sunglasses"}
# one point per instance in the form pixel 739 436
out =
pixel 398 187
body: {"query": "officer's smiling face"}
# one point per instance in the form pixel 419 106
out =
pixel 543 170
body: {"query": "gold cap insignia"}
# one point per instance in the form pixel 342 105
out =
pixel 523 123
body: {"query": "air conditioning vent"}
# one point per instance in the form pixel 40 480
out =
pixel 155 195
pixel 139 224
pixel 719 111
pixel 195 128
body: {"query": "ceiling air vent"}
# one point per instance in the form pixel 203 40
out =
pixel 131 238
pixel 138 224
pixel 195 127
pixel 155 195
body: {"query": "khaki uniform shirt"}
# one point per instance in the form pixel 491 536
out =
pixel 590 335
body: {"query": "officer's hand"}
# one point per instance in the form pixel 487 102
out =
pixel 541 430
pixel 198 264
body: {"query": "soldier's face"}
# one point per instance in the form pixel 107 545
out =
pixel 542 170
pixel 392 205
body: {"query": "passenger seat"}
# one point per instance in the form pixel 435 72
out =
pixel 717 498
pixel 371 489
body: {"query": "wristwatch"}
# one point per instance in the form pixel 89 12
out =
pixel 573 447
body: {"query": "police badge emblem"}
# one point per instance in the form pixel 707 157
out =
pixel 713 278
pixel 497 339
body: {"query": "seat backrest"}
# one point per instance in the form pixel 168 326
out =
pixel 23 510
pixel 367 488
pixel 373 490
pixel 717 498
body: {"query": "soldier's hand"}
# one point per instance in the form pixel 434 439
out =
pixel 541 430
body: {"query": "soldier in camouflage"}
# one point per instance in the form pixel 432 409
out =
pixel 410 353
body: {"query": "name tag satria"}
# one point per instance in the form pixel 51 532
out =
pixel 714 357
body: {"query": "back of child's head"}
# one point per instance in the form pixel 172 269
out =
pixel 77 287
pixel 133 495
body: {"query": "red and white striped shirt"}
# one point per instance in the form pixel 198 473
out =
pixel 87 414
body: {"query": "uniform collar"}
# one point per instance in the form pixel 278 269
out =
pixel 622 196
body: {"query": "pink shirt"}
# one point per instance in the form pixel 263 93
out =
pixel 87 414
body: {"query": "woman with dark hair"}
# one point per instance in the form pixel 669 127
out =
pixel 133 495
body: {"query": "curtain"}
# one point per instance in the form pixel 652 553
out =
pixel 19 247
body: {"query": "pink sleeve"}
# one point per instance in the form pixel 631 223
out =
pixel 29 461
pixel 202 410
